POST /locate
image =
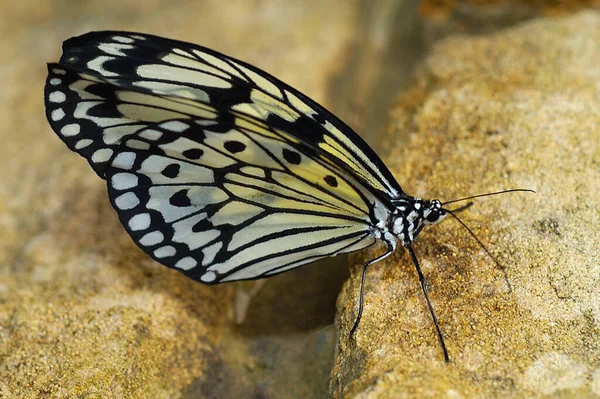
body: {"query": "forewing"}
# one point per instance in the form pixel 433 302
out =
pixel 185 75
pixel 92 116
pixel 220 202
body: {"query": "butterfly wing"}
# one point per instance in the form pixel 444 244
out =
pixel 220 202
pixel 184 74
pixel 214 167
pixel 92 115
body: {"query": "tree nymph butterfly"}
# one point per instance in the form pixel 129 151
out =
pixel 218 169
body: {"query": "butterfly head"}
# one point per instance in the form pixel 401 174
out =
pixel 433 212
pixel 412 214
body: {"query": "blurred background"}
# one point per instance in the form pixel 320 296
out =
pixel 82 310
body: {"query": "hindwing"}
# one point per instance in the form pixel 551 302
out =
pixel 221 203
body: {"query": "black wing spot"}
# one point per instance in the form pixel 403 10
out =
pixel 319 118
pixel 194 153
pixel 291 156
pixel 234 146
pixel 171 171
pixel 180 199
pixel 331 180
pixel 202 225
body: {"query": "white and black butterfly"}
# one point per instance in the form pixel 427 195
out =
pixel 219 170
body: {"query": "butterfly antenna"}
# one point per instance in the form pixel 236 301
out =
pixel 484 248
pixel 461 208
pixel 527 190
pixel 433 316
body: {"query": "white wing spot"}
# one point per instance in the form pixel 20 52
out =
pixel 210 252
pixel 59 71
pixel 154 165
pixel 206 122
pixel 83 143
pixel 219 63
pixel 152 238
pixel 57 97
pixel 124 160
pixel 127 201
pixel 57 114
pixel 137 144
pixel 186 263
pixel 151 134
pixel 71 129
pixel 262 82
pixel 235 210
pixel 164 252
pixel 123 181
pixel 139 222
pixel 198 239
pixel 175 126
pixel 253 171
pixel 183 232
pixel 114 49
pixel 167 72
pixel 102 155
pixel 122 39
pixel 208 277
pixel 55 81
pixel 179 51
pixel 96 65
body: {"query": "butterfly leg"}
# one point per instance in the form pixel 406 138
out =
pixel 424 287
pixel 388 252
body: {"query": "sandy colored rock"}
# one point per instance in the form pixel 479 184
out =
pixel 519 108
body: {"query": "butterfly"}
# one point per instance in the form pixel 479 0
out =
pixel 218 169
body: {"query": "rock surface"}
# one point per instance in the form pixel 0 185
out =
pixel 516 109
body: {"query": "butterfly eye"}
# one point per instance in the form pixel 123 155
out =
pixel 433 216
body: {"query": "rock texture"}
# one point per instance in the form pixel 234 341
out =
pixel 519 108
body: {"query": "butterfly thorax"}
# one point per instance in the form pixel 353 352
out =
pixel 411 215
